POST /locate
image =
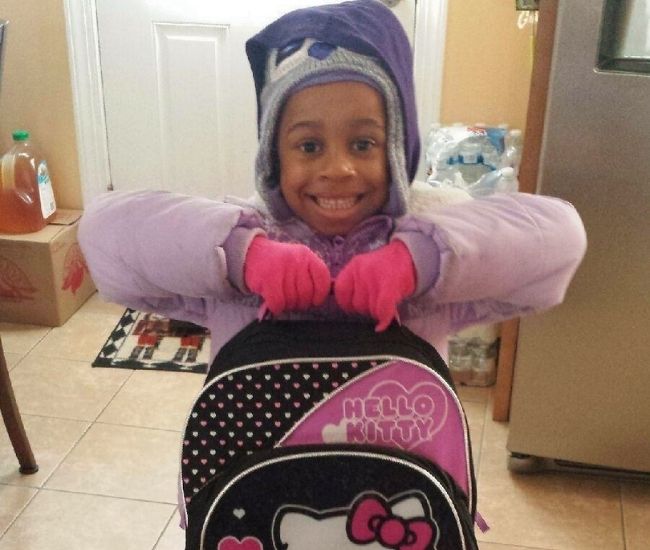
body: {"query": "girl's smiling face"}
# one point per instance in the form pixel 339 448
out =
pixel 332 151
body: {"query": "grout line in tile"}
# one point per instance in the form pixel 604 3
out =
pixel 16 364
pixel 80 420
pixel 118 390
pixel 486 418
pixel 39 341
pixel 33 346
pixel 468 401
pixel 622 508
pixel 37 490
pixel 74 446
pixel 173 515
pixel 51 490
pixel 83 434
pixel 474 398
pixel 11 369
pixel 103 423
pixel 37 415
pixel 69 359
pixel 89 364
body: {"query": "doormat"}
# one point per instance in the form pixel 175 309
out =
pixel 153 342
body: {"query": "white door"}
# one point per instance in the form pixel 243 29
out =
pixel 178 92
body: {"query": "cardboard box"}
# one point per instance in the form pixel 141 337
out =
pixel 43 276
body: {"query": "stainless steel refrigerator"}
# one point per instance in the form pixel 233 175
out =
pixel 581 393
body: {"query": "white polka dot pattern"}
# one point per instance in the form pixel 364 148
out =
pixel 250 409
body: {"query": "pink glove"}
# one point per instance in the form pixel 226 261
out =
pixel 289 277
pixel 374 283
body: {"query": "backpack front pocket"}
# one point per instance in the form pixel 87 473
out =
pixel 331 497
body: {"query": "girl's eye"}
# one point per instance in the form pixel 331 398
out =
pixel 363 145
pixel 309 147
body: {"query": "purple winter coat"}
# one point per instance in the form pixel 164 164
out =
pixel 480 261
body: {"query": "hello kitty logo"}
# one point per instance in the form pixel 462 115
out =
pixel 391 414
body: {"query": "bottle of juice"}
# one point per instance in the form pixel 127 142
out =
pixel 26 197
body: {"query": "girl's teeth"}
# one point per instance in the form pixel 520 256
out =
pixel 335 204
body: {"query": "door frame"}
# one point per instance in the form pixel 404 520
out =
pixel 88 95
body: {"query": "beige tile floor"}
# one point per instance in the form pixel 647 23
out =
pixel 107 442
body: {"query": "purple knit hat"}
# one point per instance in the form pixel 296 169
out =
pixel 361 41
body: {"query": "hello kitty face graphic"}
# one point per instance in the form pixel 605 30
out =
pixel 372 522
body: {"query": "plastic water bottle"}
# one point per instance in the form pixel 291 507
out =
pixel 471 163
pixel 444 171
pixel 429 147
pixel 26 197
pixel 497 181
pixel 473 355
pixel 460 360
pixel 514 145
pixel 507 183
pixel 484 362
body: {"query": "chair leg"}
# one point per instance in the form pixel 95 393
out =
pixel 13 421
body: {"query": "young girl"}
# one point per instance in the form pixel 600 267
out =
pixel 330 233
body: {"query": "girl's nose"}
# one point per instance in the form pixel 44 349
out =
pixel 338 164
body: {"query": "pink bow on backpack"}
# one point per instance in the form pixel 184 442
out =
pixel 371 520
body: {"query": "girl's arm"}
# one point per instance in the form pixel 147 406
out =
pixel 494 258
pixel 160 251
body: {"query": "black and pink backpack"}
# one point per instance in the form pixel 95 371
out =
pixel 320 436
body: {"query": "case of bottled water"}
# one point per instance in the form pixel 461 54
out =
pixel 481 160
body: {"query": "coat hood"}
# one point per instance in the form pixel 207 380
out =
pixel 360 36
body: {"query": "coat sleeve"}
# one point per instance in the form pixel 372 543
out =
pixel 494 258
pixel 162 252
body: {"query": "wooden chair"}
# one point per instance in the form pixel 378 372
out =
pixel 13 421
